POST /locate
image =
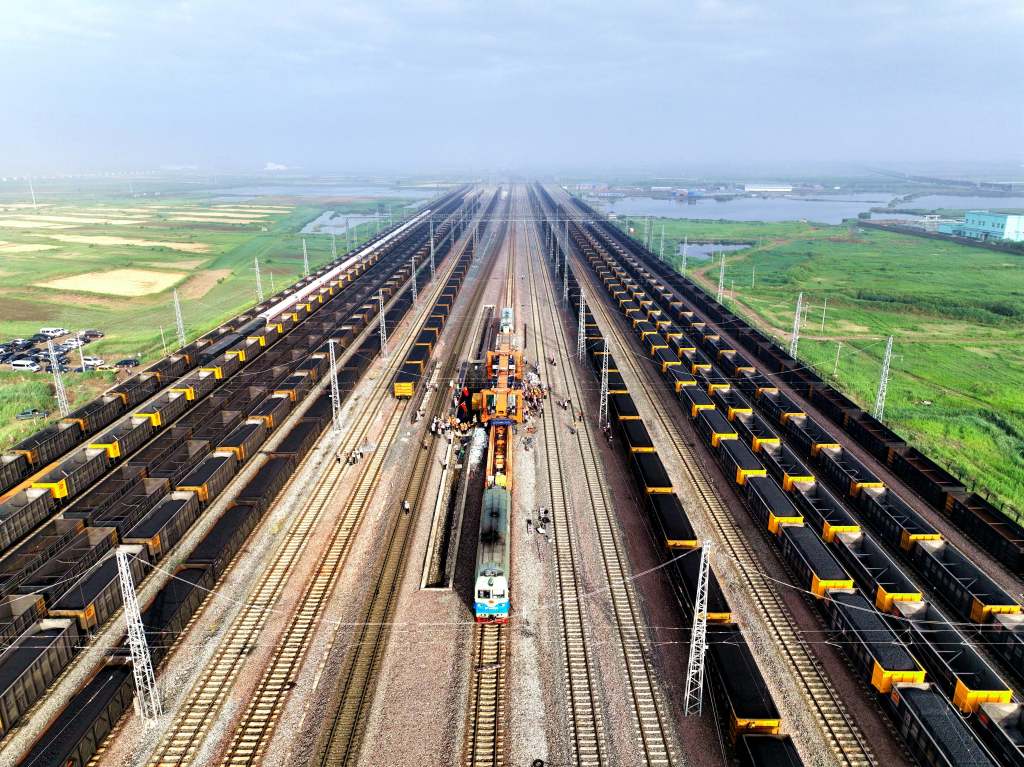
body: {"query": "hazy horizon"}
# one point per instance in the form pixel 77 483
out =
pixel 522 87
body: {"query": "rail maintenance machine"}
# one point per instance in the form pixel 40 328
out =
pixel 498 405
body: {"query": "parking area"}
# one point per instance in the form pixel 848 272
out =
pixel 32 355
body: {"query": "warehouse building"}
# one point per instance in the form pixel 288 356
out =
pixel 767 188
pixel 983 225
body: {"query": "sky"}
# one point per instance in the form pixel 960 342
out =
pixel 445 85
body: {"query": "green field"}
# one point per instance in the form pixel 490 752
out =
pixel 210 262
pixel 956 314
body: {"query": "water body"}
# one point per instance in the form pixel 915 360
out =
pixel 236 193
pixel 332 222
pixel 823 209
pixel 702 251
pixel 932 201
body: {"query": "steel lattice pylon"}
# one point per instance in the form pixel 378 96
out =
pixel 179 320
pixel 147 697
pixel 58 382
pixel 602 415
pixel 693 696
pixel 686 248
pixel 259 282
pixel 883 383
pixel 794 340
pixel 565 282
pixel 581 340
pixel 335 395
pixel 431 247
pixel 721 278
pixel 334 247
pixel 305 259
pixel 383 326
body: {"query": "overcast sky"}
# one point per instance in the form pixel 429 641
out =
pixel 428 86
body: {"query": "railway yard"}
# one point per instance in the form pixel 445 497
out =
pixel 497 487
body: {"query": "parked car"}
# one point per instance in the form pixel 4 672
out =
pixel 38 338
pixel 93 362
pixel 92 335
pixel 28 415
pixel 21 343
pixel 128 362
pixel 73 343
pixel 26 365
pixel 53 332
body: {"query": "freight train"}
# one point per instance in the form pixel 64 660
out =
pixel 61 583
pixel 415 367
pixel 498 405
pixel 1001 536
pixel 872 641
pixel 751 720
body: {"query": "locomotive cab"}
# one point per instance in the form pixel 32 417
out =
pixel 491 602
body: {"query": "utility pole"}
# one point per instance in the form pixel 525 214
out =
pixel 163 346
pixel 259 282
pixel 581 345
pixel 686 247
pixel 693 696
pixel 335 395
pixel 565 282
pixel 794 340
pixel 32 191
pixel 147 697
pixel 835 368
pixel 883 383
pixel 556 250
pixel 661 250
pixel 334 247
pixel 824 306
pixel 383 326
pixel 412 263
pixel 602 415
pixel 349 234
pixel 305 259
pixel 431 247
pixel 721 279
pixel 179 320
pixel 753 273
pixel 58 382
pixel 273 290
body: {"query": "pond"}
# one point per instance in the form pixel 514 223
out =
pixel 824 209
pixel 702 251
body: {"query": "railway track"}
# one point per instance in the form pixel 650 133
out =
pixel 195 715
pixel 841 733
pixel 485 734
pixel 343 734
pixel 587 735
pixel 648 709
pixel 485 729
